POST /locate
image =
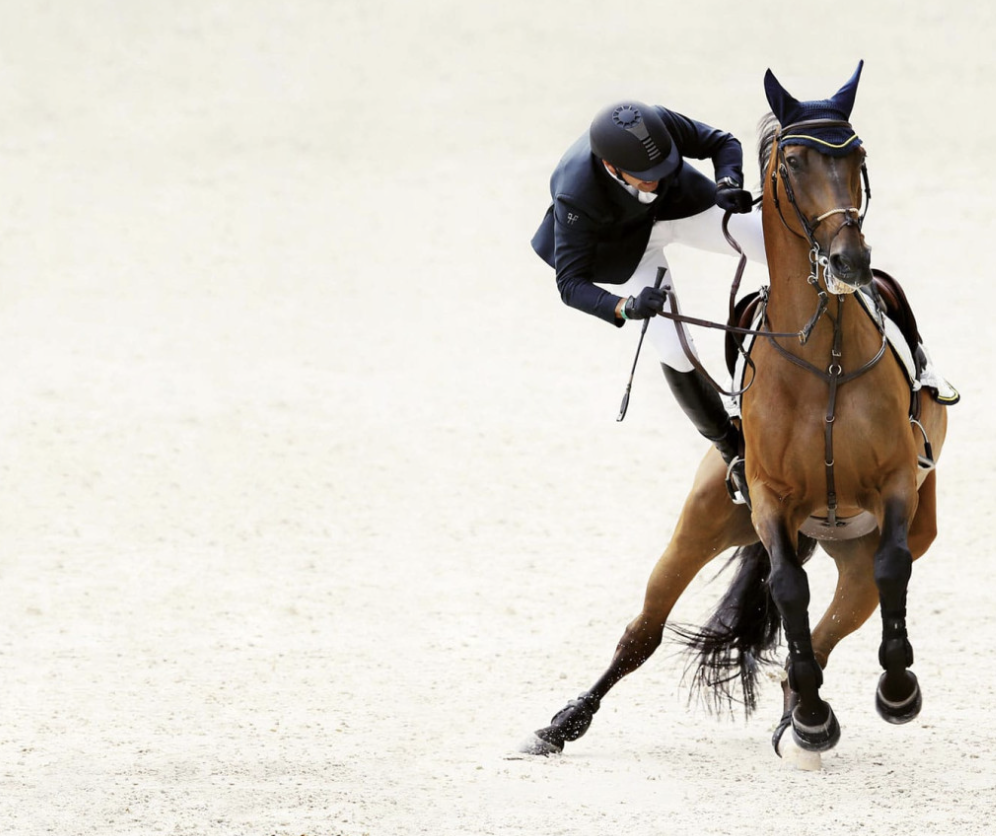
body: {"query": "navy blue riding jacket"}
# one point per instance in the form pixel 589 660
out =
pixel 596 231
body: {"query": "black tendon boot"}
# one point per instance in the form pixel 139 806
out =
pixel 702 404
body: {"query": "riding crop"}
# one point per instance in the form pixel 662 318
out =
pixel 625 401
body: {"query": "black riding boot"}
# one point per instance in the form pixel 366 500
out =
pixel 702 404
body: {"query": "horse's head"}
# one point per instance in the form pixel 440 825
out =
pixel 816 165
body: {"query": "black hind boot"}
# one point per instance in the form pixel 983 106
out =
pixel 702 404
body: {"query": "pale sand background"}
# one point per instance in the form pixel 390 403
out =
pixel 313 502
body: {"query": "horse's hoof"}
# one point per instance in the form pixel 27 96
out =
pixel 820 738
pixel 800 758
pixel 569 723
pixel 901 711
pixel 540 743
pixel 572 720
pixel 790 751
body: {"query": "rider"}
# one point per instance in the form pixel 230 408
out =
pixel 621 194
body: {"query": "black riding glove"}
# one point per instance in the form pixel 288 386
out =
pixel 649 302
pixel 731 198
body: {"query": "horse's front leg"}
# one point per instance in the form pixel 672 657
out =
pixel 854 601
pixel 898 697
pixel 814 724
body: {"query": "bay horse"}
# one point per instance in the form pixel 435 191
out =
pixel 839 450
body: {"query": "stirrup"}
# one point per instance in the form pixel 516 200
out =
pixel 738 496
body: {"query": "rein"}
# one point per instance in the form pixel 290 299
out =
pixel 818 259
pixel 802 335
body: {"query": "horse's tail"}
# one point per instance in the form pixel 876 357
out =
pixel 741 636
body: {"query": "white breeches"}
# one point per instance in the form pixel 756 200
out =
pixel 703 232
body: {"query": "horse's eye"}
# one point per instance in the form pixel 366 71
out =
pixel 793 162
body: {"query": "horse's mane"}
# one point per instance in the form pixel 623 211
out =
pixel 766 130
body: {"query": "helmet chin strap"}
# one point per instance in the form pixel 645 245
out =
pixel 644 196
pixel 618 174
pixel 615 172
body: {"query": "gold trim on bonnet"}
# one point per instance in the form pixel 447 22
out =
pixel 821 141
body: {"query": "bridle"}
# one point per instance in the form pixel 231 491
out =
pixel 852 216
pixel 796 131
pixel 818 258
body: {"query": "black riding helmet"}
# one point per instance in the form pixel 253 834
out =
pixel 632 137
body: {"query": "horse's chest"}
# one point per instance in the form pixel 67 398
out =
pixel 795 437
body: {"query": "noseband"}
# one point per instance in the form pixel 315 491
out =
pixel 852 216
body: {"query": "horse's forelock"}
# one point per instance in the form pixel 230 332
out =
pixel 767 128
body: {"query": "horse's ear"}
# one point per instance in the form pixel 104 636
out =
pixel 843 99
pixel 779 99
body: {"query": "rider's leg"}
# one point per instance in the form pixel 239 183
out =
pixel 695 395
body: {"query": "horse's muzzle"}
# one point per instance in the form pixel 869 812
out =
pixel 852 265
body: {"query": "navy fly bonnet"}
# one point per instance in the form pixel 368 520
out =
pixel 834 140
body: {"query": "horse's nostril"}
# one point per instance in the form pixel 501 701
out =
pixel 850 263
pixel 841 265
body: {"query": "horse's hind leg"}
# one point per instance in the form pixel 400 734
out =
pixel 855 597
pixel 709 524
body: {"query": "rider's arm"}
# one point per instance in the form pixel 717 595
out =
pixel 575 242
pixel 704 142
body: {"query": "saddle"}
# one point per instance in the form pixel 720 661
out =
pixel 886 294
